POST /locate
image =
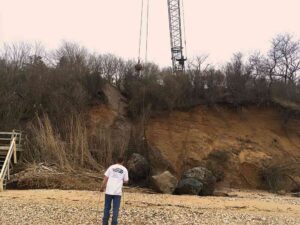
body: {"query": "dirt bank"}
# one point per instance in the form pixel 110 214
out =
pixel 240 142
pixel 80 207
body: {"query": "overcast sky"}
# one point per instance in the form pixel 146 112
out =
pixel 215 27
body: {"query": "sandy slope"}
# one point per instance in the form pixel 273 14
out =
pixel 252 137
pixel 80 207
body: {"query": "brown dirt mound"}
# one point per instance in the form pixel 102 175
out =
pixel 252 137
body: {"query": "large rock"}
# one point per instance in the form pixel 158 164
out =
pixel 189 186
pixel 138 167
pixel 296 194
pixel 204 176
pixel 157 161
pixel 165 182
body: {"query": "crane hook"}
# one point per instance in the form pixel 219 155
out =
pixel 139 67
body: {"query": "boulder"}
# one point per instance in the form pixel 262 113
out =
pixel 204 176
pixel 189 186
pixel 297 194
pixel 138 167
pixel 157 161
pixel 165 182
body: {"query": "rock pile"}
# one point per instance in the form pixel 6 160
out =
pixel 196 181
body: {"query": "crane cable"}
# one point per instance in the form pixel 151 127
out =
pixel 141 29
pixel 139 66
pixel 147 31
pixel 184 30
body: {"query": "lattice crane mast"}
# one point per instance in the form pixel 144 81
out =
pixel 177 37
pixel 176 34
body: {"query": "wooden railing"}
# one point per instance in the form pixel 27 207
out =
pixel 8 136
pixel 12 148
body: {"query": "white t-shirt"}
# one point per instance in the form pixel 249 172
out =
pixel 116 174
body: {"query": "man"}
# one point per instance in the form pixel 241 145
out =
pixel 114 178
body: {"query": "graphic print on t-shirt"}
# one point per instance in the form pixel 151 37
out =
pixel 118 170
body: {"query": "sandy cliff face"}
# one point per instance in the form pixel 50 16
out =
pixel 235 144
pixel 248 140
pixel 108 124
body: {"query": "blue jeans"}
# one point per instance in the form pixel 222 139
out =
pixel 116 199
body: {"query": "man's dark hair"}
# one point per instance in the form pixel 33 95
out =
pixel 120 159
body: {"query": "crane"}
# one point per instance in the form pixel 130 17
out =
pixel 176 35
pixel 177 39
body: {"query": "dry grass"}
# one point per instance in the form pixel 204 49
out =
pixel 78 148
pixel 102 146
pixel 107 144
pixel 66 148
pixel 46 144
pixel 276 177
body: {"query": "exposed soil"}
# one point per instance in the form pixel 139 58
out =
pixel 236 144
pixel 251 137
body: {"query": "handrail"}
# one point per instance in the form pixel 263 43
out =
pixel 7 136
pixel 5 167
pixel 14 133
pixel 7 133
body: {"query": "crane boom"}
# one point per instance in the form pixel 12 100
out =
pixel 176 37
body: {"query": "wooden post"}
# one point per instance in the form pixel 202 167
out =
pixel 8 170
pixel 1 185
pixel 20 138
pixel 15 152
pixel 12 134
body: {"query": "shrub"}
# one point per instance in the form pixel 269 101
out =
pixel 216 161
pixel 276 177
pixel 220 156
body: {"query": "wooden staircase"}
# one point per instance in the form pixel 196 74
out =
pixel 10 144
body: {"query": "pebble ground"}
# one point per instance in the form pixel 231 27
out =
pixel 43 207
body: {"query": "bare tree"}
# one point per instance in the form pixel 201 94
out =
pixel 257 64
pixel 199 64
pixel 239 81
pixel 72 57
pixel 16 55
pixel 284 58
pixel 110 66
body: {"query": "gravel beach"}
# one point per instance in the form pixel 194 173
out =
pixel 85 207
